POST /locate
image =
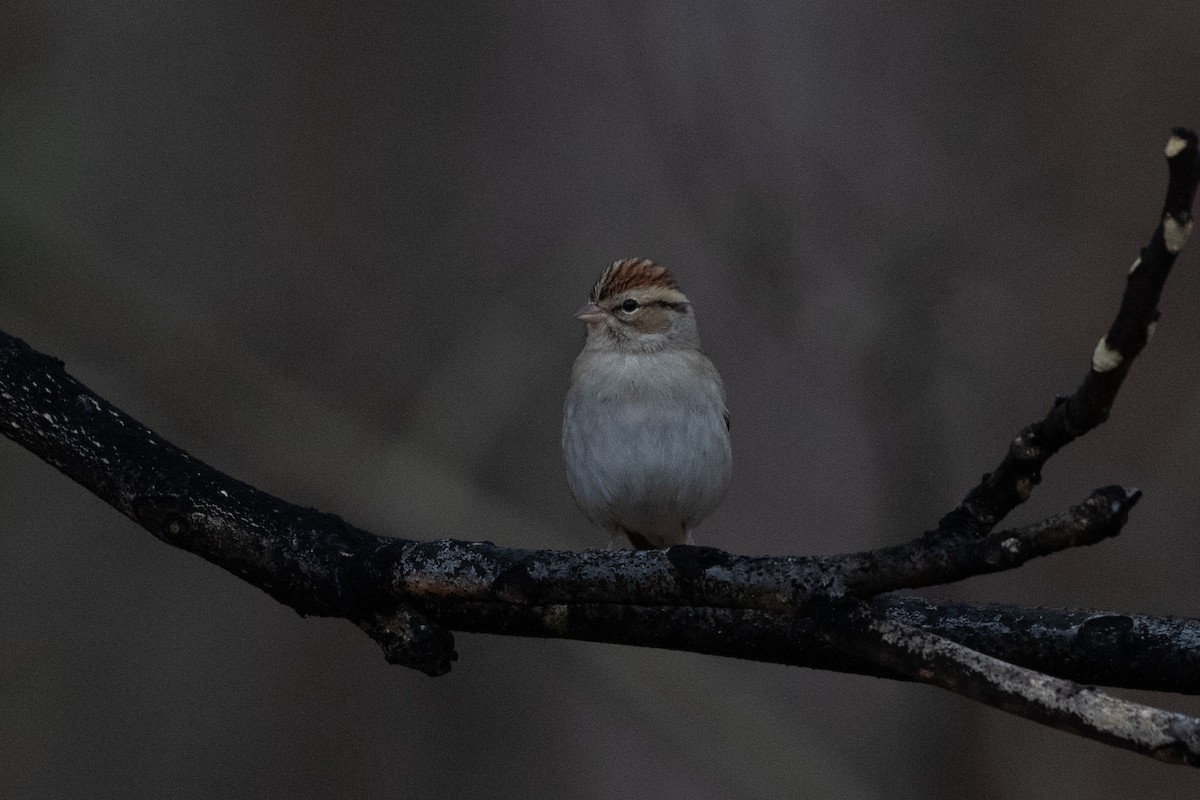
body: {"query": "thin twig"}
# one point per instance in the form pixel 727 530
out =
pixel 929 561
pixel 1011 483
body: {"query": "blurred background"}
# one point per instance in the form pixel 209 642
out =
pixel 334 249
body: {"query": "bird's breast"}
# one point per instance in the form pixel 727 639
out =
pixel 644 438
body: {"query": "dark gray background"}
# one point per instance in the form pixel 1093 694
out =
pixel 334 250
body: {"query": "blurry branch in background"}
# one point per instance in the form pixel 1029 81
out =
pixel 822 612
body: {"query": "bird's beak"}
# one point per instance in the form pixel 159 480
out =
pixel 592 314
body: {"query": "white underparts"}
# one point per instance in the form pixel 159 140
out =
pixel 1104 357
pixel 1175 146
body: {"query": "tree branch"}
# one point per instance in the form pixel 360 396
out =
pixel 1098 647
pixel 1011 483
pixel 318 564
pixel 407 594
pixel 1062 704
pixel 1108 648
pixel 954 555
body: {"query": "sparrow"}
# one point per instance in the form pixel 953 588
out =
pixel 645 428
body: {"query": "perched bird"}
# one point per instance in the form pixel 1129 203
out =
pixel 645 428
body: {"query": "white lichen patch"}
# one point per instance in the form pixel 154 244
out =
pixel 1104 357
pixel 1137 262
pixel 1175 146
pixel 1174 234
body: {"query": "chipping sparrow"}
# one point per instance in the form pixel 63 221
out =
pixel 645 428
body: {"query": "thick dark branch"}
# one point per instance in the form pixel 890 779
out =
pixel 394 589
pixel 318 564
pixel 702 576
pixel 1099 647
pixel 1108 648
pixel 301 557
pixel 1011 483
pixel 406 594
pixel 924 656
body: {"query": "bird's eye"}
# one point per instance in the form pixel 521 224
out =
pixel 629 306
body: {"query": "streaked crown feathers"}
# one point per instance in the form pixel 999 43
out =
pixel 632 273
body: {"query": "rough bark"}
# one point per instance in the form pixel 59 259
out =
pixel 824 612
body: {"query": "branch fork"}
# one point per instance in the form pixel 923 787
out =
pixel 827 612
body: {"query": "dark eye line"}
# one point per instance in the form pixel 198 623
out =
pixel 664 303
